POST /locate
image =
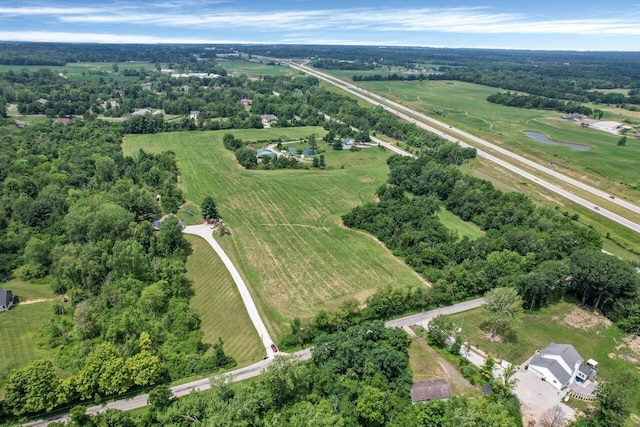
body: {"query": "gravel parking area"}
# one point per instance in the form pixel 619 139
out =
pixel 537 396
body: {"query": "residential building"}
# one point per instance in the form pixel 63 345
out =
pixel 6 299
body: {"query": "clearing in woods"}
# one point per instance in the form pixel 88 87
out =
pixel 286 238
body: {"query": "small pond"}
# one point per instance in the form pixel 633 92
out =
pixel 543 138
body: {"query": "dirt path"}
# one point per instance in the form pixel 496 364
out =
pixel 35 301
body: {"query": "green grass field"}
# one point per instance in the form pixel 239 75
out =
pixel 287 239
pixel 464 228
pixel 19 332
pixel 563 323
pixel 219 305
pixel 464 105
pixel 73 71
pixel 26 291
pixel 255 69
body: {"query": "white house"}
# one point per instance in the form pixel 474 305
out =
pixel 559 365
pixel 6 299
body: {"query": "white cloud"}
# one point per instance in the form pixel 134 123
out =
pixel 457 20
pixel 64 37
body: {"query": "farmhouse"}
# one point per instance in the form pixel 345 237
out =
pixel 429 390
pixel 6 299
pixel 246 102
pixel 347 143
pixel 560 365
pixel 194 115
pixel 262 152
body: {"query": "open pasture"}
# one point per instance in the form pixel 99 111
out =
pixel 464 105
pixel 255 69
pixel 287 238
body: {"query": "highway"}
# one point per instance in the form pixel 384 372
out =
pixel 252 370
pixel 419 120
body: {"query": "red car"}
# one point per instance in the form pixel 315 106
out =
pixel 274 348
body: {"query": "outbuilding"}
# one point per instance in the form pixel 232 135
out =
pixel 6 299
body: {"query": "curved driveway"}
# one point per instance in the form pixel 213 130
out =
pixel 204 231
pixel 394 108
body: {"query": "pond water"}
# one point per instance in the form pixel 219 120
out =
pixel 543 138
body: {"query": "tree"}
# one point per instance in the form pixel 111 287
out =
pixel 160 397
pixel 612 405
pixel 313 141
pixel 622 141
pixel 553 417
pixel 502 306
pixel 439 329
pixel 322 164
pixel 209 208
pixel 372 406
pixel 33 388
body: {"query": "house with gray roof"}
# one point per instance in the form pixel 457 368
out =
pixel 6 299
pixel 559 365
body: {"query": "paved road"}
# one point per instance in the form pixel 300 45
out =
pixel 204 231
pixel 424 317
pixel 399 110
pixel 253 370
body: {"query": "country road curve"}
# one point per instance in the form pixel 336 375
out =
pixel 204 231
pixel 394 108
pixel 255 369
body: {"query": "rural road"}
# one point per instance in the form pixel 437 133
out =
pixel 399 110
pixel 204 231
pixel 255 369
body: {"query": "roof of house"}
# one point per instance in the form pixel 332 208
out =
pixel 553 366
pixel 566 351
pixel 6 297
pixel 269 117
pixel 264 152
pixel 547 358
pixel 587 371
pixel 429 390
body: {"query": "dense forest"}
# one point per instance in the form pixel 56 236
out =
pixel 75 211
pixel 540 252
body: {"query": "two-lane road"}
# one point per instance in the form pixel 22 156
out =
pixel 255 369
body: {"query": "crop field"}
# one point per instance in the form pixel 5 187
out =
pixel 565 323
pixel 219 305
pixel 464 105
pixel 286 234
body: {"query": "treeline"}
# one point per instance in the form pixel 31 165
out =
pixel 390 77
pixel 356 377
pixel 59 54
pixel 346 113
pixel 540 252
pixel 76 213
pixel 538 102
pixel 332 64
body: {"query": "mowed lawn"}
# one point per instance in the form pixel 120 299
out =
pixel 464 105
pixel 287 239
pixel 563 323
pixel 219 305
pixel 19 333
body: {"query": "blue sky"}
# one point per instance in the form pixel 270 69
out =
pixel 545 24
